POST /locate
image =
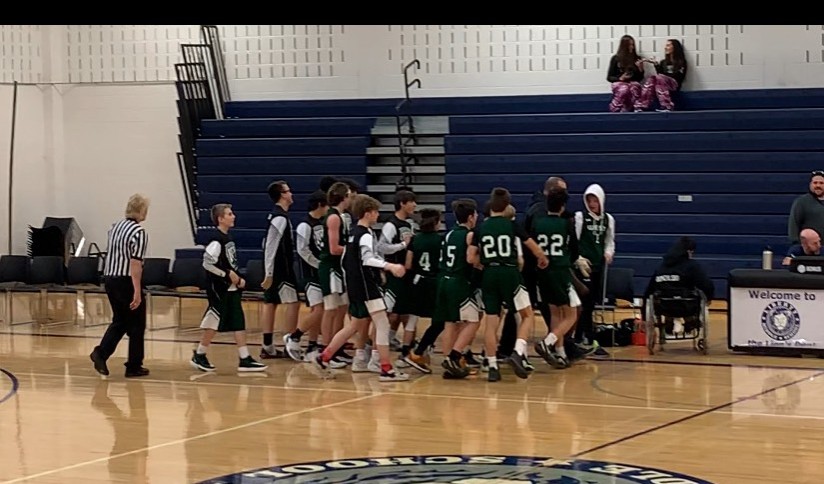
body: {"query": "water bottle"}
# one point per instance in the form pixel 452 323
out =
pixel 767 259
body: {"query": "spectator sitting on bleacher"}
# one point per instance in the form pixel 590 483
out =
pixel 807 211
pixel 626 71
pixel 810 245
pixel 669 77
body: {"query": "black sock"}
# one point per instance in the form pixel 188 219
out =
pixel 312 345
pixel 296 335
pixel 267 339
pixel 455 356
pixel 405 350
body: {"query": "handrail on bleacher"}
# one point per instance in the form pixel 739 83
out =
pixel 203 90
pixel 403 141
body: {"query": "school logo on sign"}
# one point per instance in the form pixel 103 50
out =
pixel 780 320
pixel 459 469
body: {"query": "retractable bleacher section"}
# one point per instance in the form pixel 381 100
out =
pixel 724 168
pixel 726 173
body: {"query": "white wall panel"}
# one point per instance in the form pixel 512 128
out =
pixel 20 57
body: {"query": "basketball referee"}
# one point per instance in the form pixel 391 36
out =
pixel 122 275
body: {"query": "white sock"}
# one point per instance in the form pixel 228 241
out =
pixel 562 352
pixel 392 334
pixel 493 361
pixel 520 346
pixel 360 355
pixel 201 350
pixel 551 339
pixel 243 352
pixel 376 356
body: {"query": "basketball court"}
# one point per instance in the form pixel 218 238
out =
pixel 676 417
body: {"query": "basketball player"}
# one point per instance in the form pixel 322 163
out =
pixel 309 253
pixel 422 262
pixel 225 311
pixel 495 247
pixel 395 238
pixel 279 284
pixel 455 301
pixel 333 239
pixel 553 233
pixel 362 267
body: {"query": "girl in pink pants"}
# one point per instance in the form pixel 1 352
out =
pixel 670 74
pixel 626 71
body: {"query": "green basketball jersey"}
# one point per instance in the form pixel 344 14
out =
pixel 453 253
pixel 593 238
pixel 552 235
pixel 497 240
pixel 325 256
pixel 426 247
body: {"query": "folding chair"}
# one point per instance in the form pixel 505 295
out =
pixel 618 285
pixel 14 272
pixel 83 277
pixel 188 282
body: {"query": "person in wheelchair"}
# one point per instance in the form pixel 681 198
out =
pixel 679 277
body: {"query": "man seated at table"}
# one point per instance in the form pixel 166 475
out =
pixel 810 245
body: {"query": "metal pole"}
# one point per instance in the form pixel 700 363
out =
pixel 11 160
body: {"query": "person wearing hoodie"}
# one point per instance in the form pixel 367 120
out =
pixel 807 211
pixel 679 274
pixel 595 229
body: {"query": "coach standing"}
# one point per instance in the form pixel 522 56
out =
pixel 122 275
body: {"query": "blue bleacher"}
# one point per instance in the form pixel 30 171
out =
pixel 237 159
pixel 644 142
pixel 533 104
pixel 724 168
pixel 757 119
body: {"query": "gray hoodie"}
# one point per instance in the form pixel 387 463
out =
pixel 599 237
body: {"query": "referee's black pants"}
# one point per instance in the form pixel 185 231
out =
pixel 125 321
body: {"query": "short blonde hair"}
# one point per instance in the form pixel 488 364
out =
pixel 137 206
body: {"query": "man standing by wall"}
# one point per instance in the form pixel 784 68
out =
pixel 122 276
pixel 807 211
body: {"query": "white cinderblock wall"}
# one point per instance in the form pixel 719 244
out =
pixel 97 116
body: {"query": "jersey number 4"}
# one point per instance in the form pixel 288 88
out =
pixel 500 246
pixel 555 247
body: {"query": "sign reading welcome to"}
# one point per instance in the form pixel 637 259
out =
pixel 776 318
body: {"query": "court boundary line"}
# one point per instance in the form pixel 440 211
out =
pixel 390 392
pixel 598 361
pixel 189 439
pixel 707 411
pixel 15 384
pixel 460 397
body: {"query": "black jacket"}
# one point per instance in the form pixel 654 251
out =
pixel 679 271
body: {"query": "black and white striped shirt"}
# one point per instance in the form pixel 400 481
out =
pixel 127 240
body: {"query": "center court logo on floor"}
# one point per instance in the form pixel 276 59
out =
pixel 458 469
pixel 780 320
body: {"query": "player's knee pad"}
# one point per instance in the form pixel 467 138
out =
pixel 411 323
pixel 381 328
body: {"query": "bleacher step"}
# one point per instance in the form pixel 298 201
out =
pixel 413 169
pixel 419 188
pixel 388 207
pixel 411 150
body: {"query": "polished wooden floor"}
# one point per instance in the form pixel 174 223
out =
pixel 721 418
